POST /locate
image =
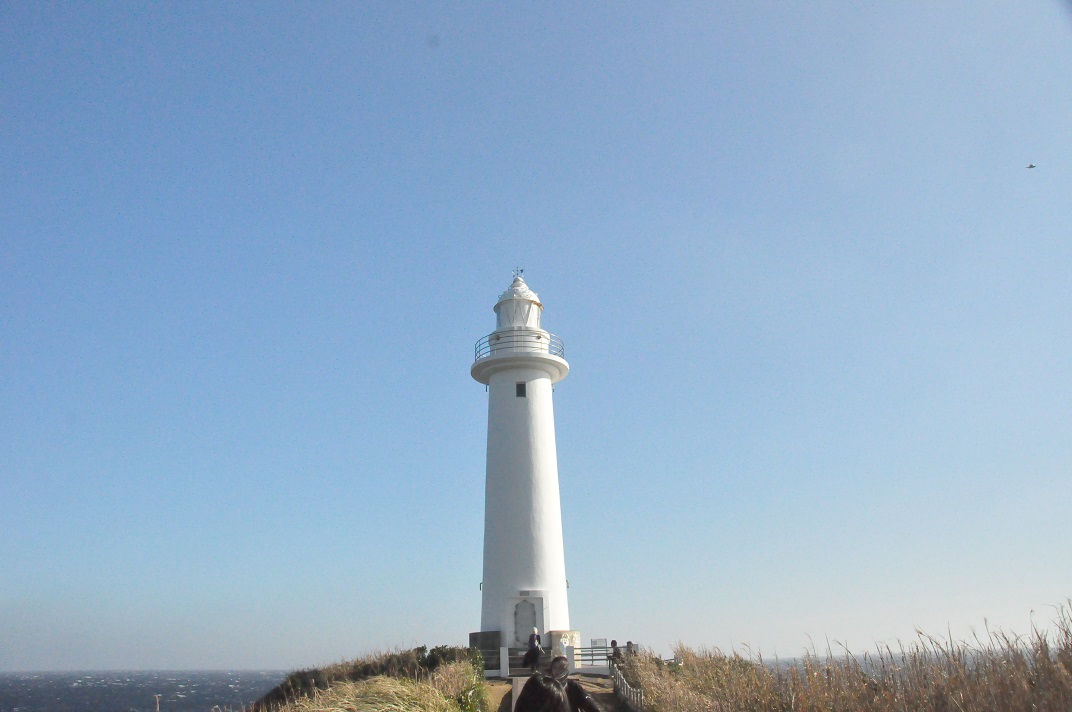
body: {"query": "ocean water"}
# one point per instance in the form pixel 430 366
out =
pixel 197 691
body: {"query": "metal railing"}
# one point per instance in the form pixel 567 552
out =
pixel 593 656
pixel 519 341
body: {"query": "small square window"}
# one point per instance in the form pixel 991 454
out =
pixel 520 392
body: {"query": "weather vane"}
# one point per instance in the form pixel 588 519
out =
pixel 518 271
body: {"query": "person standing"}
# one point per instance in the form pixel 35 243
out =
pixel 532 655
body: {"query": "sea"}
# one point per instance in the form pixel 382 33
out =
pixel 135 691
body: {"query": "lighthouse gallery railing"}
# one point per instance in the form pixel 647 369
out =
pixel 522 340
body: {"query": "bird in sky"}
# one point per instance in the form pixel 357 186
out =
pixel 1031 165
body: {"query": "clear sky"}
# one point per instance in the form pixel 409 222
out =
pixel 816 306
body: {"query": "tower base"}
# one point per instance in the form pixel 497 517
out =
pixel 563 639
pixel 488 642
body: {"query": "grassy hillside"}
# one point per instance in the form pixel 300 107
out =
pixel 998 672
pixel 444 679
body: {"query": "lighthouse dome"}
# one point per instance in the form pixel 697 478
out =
pixel 519 290
pixel 518 307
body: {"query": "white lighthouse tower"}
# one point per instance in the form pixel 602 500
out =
pixel 524 584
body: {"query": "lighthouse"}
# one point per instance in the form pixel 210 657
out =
pixel 524 584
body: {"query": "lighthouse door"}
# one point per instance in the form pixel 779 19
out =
pixel 524 622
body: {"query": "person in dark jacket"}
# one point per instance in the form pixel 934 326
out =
pixel 579 699
pixel 532 655
pixel 542 694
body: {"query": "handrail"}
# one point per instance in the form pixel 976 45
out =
pixel 519 341
pixel 596 656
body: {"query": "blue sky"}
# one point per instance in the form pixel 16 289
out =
pixel 815 305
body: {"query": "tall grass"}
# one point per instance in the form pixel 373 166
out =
pixel 445 690
pixel 445 679
pixel 996 672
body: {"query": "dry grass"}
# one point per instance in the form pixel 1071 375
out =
pixel 454 687
pixel 443 680
pixel 460 681
pixel 999 672
pixel 377 694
